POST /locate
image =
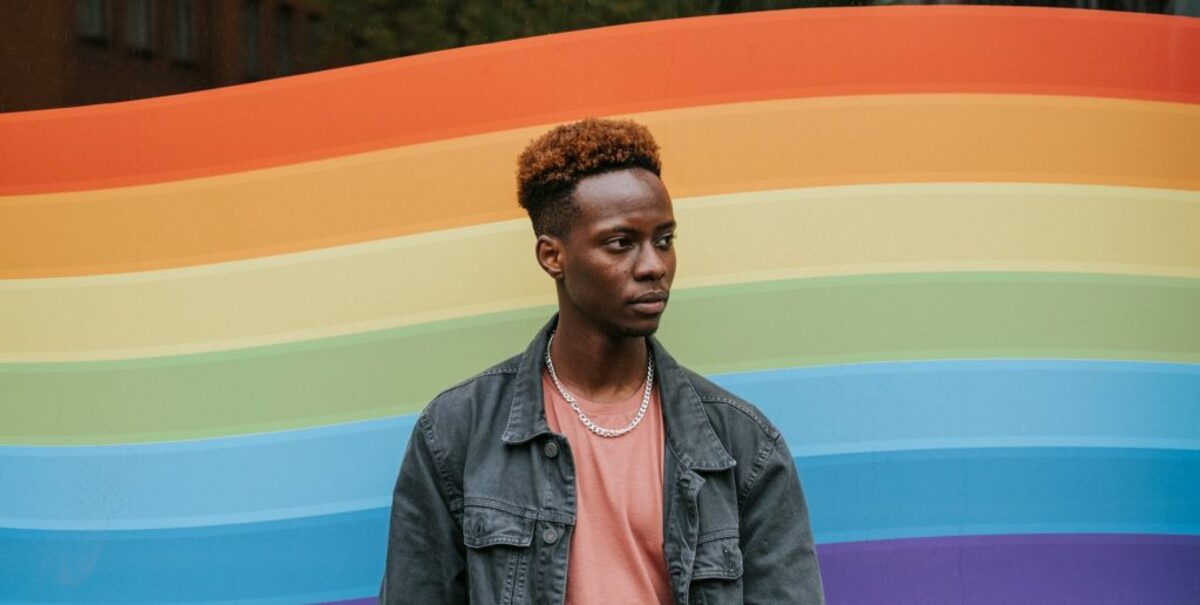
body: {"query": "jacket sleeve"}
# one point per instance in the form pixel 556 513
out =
pixel 425 552
pixel 779 557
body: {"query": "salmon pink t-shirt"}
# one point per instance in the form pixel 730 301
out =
pixel 617 547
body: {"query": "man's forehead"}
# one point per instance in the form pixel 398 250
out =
pixel 621 191
pixel 616 178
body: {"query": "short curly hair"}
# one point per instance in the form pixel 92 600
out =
pixel 553 164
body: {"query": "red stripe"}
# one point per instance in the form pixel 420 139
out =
pixel 647 66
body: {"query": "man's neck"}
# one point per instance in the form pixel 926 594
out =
pixel 598 367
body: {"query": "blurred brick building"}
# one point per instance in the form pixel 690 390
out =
pixel 56 53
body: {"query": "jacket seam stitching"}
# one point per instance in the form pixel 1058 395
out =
pixel 454 498
pixel 760 463
pixel 532 514
pixel 719 534
pixel 768 431
pixel 501 505
pixel 483 374
pixel 498 540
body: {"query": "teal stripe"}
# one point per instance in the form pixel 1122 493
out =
pixel 929 493
pixel 722 329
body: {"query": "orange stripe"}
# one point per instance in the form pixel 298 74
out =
pixel 706 150
pixel 641 67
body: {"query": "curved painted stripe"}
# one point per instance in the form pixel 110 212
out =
pixel 1041 568
pixel 948 492
pixel 972 404
pixel 764 146
pixel 247 479
pixel 905 228
pixel 297 561
pixel 642 67
pixel 851 498
pixel 763 325
pixel 821 411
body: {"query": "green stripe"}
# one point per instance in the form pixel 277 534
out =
pixel 719 329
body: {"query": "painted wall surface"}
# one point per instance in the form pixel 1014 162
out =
pixel 952 252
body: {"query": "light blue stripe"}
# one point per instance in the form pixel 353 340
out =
pixel 262 477
pixel 826 410
pixel 866 496
pixel 987 403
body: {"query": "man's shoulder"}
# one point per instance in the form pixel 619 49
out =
pixel 728 408
pixel 498 372
pixel 482 389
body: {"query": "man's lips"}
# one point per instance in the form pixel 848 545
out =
pixel 651 303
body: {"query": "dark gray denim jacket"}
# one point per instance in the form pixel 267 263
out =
pixel 485 502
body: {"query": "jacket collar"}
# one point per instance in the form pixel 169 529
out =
pixel 689 433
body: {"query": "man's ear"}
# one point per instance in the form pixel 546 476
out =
pixel 549 253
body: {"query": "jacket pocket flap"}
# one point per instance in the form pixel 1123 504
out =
pixel 720 558
pixel 484 527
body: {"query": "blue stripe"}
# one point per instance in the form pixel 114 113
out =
pixel 263 477
pixel 851 497
pixel 294 561
pixel 950 492
pixel 827 410
pixel 989 403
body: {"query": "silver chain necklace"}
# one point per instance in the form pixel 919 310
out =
pixel 587 422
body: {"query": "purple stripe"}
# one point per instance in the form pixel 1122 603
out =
pixel 1025 569
pixel 1004 569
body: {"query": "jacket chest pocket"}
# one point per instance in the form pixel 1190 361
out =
pixel 717 572
pixel 499 545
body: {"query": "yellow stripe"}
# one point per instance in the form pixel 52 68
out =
pixel 707 150
pixel 724 239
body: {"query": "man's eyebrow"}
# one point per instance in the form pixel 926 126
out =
pixel 626 229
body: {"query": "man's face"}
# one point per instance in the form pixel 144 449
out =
pixel 616 265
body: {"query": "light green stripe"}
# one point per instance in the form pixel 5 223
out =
pixel 719 329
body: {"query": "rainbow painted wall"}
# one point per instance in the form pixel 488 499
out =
pixel 952 252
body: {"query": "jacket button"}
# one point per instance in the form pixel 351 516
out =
pixel 550 536
pixel 550 449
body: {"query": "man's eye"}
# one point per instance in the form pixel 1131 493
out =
pixel 666 240
pixel 618 243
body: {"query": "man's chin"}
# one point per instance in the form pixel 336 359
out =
pixel 640 329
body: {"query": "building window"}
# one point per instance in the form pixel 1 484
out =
pixel 91 20
pixel 312 44
pixel 183 31
pixel 285 62
pixel 139 26
pixel 251 26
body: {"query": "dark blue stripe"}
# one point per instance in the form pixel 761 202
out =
pixel 902 494
pixel 296 561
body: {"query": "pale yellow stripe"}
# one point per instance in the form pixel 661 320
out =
pixel 724 239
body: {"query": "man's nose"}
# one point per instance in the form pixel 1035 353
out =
pixel 651 264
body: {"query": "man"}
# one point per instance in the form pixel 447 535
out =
pixel 592 468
